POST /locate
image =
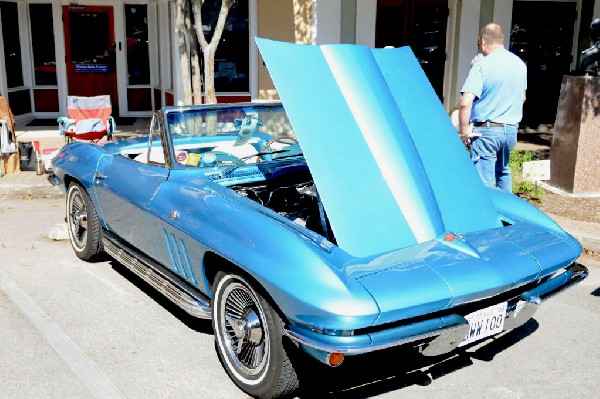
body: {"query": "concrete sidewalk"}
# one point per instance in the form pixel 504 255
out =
pixel 28 184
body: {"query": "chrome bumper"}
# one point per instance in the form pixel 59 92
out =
pixel 447 331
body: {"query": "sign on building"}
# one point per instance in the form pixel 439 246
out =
pixel 91 67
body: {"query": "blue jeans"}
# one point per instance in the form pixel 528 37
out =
pixel 491 153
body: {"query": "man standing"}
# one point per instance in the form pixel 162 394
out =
pixel 492 100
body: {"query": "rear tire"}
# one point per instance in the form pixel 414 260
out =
pixel 83 223
pixel 249 339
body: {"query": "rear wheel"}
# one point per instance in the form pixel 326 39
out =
pixel 83 223
pixel 249 339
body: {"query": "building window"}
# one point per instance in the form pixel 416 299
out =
pixel 12 44
pixel 136 30
pixel 232 57
pixel 94 45
pixel 42 43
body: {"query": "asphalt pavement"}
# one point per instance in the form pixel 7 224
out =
pixel 75 329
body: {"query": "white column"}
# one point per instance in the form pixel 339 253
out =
pixel 3 88
pixel 59 50
pixel 253 50
pixel 327 21
pixel 451 44
pixel 164 49
pixel 153 51
pixel 366 15
pixel 121 57
pixel 503 17
pixel 26 56
pixel 177 85
pixel 468 29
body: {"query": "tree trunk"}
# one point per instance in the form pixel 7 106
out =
pixel 196 72
pixel 209 75
pixel 209 49
pixel 182 23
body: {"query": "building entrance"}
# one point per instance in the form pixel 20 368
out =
pixel 90 50
pixel 420 24
pixel 545 44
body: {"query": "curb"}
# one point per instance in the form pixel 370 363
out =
pixel 588 243
pixel 27 191
pixel 587 233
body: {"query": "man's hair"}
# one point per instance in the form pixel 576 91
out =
pixel 492 33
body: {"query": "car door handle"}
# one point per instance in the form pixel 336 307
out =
pixel 100 176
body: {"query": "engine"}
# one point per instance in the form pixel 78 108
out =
pixel 292 195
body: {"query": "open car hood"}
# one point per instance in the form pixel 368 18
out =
pixel 389 166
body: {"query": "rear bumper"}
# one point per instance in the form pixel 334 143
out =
pixel 441 334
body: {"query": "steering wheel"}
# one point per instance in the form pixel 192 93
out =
pixel 274 140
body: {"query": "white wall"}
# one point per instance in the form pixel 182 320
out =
pixel 503 16
pixel 468 29
pixel 366 15
pixel 3 88
pixel 328 16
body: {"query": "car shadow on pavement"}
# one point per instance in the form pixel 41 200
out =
pixel 394 369
pixel 199 325
pixel 366 375
pixel 596 292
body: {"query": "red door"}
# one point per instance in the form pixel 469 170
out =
pixel 90 52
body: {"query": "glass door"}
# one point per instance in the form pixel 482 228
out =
pixel 420 24
pixel 90 51
pixel 545 44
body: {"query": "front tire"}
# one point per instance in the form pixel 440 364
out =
pixel 249 339
pixel 83 223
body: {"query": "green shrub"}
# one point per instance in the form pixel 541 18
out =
pixel 523 188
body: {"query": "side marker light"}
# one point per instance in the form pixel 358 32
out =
pixel 335 359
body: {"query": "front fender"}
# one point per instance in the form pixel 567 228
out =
pixel 517 209
pixel 78 160
pixel 514 207
pixel 300 270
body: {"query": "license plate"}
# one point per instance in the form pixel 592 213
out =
pixel 485 322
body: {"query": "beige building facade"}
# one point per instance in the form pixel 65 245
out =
pixel 129 49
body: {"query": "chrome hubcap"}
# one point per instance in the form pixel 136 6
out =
pixel 247 329
pixel 243 329
pixel 78 219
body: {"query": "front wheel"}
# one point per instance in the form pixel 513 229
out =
pixel 248 339
pixel 83 223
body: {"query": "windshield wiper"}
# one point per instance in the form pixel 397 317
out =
pixel 261 153
pixel 229 170
pixel 296 154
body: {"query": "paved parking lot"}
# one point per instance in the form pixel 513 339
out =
pixel 71 329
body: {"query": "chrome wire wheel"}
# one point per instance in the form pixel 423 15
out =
pixel 249 339
pixel 83 223
pixel 243 329
pixel 77 219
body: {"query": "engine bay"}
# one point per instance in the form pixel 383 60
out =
pixel 290 191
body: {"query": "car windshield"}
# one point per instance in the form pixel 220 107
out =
pixel 229 137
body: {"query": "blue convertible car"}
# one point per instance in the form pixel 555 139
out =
pixel 346 219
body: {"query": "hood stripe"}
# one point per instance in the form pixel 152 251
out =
pixel 362 85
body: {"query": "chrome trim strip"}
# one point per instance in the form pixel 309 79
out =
pixel 449 330
pixel 573 275
pixel 190 302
